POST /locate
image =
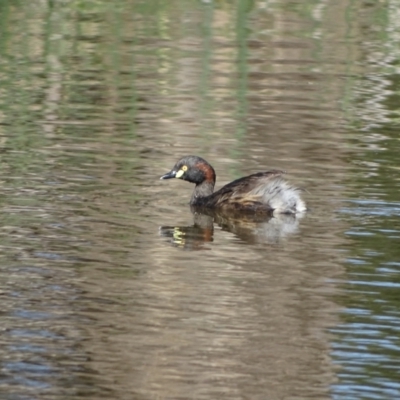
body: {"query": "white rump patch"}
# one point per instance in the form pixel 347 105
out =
pixel 281 196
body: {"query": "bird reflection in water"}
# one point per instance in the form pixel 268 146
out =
pixel 250 228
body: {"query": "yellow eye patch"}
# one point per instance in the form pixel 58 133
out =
pixel 181 171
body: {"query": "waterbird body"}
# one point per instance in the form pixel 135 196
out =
pixel 263 192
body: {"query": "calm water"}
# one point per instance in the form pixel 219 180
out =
pixel 110 287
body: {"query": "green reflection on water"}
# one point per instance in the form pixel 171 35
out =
pixel 371 298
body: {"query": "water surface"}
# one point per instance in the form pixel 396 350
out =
pixel 111 288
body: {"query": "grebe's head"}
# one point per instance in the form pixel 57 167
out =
pixel 192 169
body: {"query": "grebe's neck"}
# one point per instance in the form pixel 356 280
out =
pixel 201 191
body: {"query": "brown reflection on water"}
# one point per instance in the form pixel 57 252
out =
pixel 227 322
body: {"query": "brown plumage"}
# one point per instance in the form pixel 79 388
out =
pixel 263 192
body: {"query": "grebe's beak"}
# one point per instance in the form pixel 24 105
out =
pixel 170 175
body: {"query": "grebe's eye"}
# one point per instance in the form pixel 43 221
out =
pixel 180 173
